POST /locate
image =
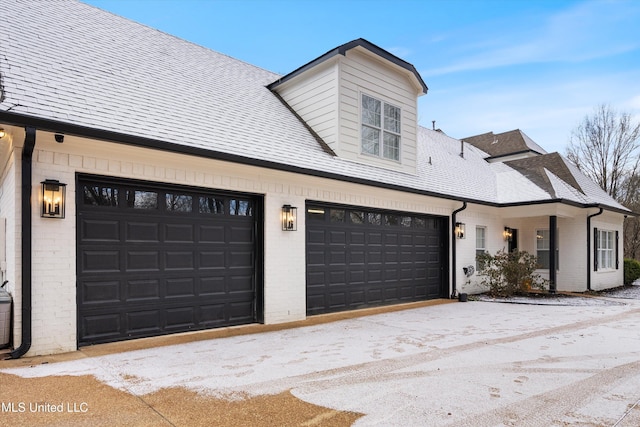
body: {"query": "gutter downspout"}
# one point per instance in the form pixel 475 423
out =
pixel 589 247
pixel 27 156
pixel 453 248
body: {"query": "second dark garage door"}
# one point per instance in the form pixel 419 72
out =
pixel 358 257
pixel 155 259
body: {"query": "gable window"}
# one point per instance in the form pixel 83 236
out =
pixel 543 249
pixel 605 247
pixel 380 128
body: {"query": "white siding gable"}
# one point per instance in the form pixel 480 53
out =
pixel 314 97
pixel 328 98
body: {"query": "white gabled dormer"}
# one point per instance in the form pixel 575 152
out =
pixel 362 101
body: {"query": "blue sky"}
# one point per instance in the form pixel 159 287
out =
pixel 494 65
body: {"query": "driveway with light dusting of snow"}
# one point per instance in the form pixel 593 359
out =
pixel 480 363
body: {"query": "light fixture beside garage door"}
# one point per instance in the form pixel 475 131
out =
pixel 289 218
pixel 53 199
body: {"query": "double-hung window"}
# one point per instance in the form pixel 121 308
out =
pixel 543 249
pixel 606 249
pixel 380 128
pixel 481 243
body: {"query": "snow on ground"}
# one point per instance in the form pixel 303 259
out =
pixel 476 363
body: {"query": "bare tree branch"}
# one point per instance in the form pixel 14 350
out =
pixel 605 146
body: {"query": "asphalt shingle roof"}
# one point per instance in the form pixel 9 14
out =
pixel 505 143
pixel 71 63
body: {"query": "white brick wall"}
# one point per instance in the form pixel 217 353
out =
pixel 54 249
pixel 603 278
pixel 9 210
pixel 572 272
pixel 54 269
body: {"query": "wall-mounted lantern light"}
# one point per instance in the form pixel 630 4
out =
pixel 289 218
pixel 460 230
pixel 53 199
pixel 2 132
pixel 507 234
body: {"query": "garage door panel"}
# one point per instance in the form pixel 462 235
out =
pixel 180 318
pixel 374 238
pixel 102 326
pixel 316 236
pixel 177 288
pixel 100 230
pixel 390 239
pixel 241 234
pixel 356 257
pixel 238 311
pixel 385 258
pixel 356 276
pixel 374 296
pixel 315 258
pixel 391 294
pixel 391 274
pixel 338 237
pixel 142 231
pixel 240 258
pixel 240 284
pixel 142 322
pixel 338 299
pixel 101 291
pixel 176 260
pixel 316 278
pixel 210 286
pixel 212 234
pixel 179 233
pixel 107 261
pixel 337 277
pixel 142 261
pixel 357 298
pixel 337 257
pixel 212 259
pixel 212 314
pixel 143 290
pixel 357 237
pixel 179 260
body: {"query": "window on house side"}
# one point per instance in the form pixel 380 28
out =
pixel 380 128
pixel 542 249
pixel 606 249
pixel 481 243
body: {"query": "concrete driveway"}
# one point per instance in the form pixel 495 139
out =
pixel 478 363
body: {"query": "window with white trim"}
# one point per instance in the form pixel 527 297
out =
pixel 481 243
pixel 380 130
pixel 606 249
pixel 543 245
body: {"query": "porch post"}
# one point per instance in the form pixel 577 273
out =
pixel 553 224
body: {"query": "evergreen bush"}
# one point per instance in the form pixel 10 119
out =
pixel 631 271
pixel 507 273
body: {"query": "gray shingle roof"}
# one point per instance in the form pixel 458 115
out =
pixel 70 63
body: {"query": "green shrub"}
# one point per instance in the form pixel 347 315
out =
pixel 631 271
pixel 507 273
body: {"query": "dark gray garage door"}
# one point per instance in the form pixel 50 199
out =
pixel 357 257
pixel 154 260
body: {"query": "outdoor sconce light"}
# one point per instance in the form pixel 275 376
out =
pixel 460 228
pixel 289 218
pixel 2 132
pixel 507 234
pixel 53 199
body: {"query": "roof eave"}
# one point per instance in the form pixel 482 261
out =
pixel 48 125
pixel 342 50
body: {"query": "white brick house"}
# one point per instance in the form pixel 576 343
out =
pixel 178 161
